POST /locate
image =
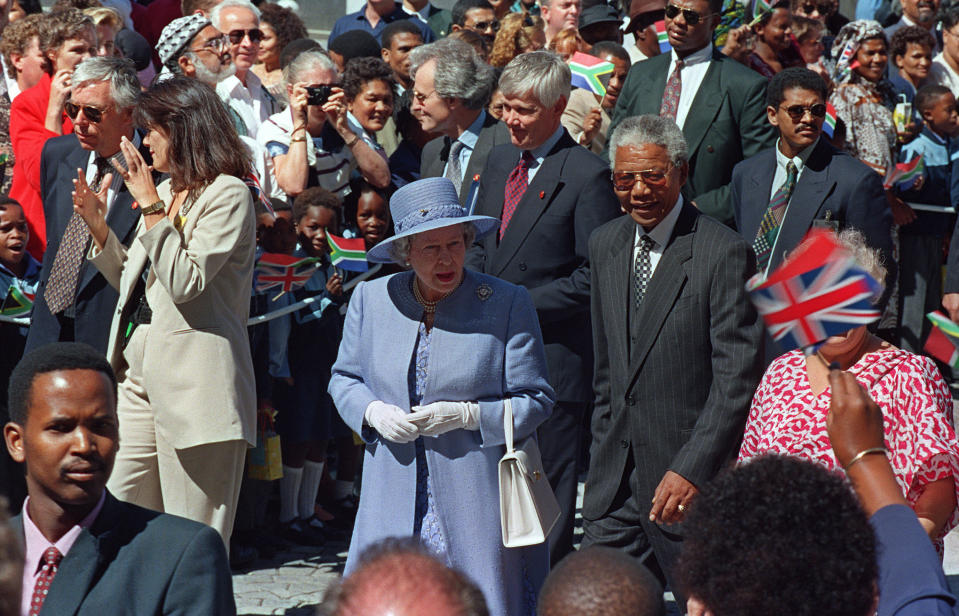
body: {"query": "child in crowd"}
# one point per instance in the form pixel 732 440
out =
pixel 368 210
pixel 19 273
pixel 307 420
pixel 921 241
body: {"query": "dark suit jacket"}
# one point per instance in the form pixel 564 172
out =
pixel 96 299
pixel 545 249
pixel 678 394
pixel 437 152
pixel 136 561
pixel 726 123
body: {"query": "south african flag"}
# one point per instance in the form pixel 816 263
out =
pixel 348 254
pixel 588 72
pixel 829 124
pixel 18 303
pixel 662 36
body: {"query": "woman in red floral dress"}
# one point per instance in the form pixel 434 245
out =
pixel 788 412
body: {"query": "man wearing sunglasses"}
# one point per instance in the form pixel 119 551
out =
pixel 243 92
pixel 804 182
pixel 74 301
pixel 674 340
pixel 717 102
pixel 478 16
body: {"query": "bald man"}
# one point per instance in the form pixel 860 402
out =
pixel 600 581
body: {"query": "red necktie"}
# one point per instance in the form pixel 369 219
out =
pixel 674 87
pixel 516 185
pixel 51 561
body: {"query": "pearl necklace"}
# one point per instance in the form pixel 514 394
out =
pixel 429 307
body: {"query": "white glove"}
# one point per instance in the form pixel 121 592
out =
pixel 441 417
pixel 391 422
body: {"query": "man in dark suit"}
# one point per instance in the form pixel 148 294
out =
pixel 87 553
pixel 675 339
pixel 451 86
pixel 715 100
pixel 83 303
pixel 550 193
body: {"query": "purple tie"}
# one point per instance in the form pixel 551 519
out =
pixel 674 86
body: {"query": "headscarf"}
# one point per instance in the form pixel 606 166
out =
pixel 847 43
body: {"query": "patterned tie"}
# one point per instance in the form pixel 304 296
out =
pixel 516 185
pixel 51 561
pixel 454 172
pixel 773 218
pixel 643 268
pixel 674 86
pixel 61 288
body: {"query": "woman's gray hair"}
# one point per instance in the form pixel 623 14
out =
pixel 639 130
pixel 460 72
pixel 120 72
pixel 307 61
pixel 541 72
pixel 243 4
pixel 867 257
pixel 400 248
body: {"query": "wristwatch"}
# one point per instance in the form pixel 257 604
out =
pixel 158 207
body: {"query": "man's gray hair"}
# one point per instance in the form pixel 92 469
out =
pixel 637 131
pixel 307 61
pixel 541 72
pixel 120 72
pixel 245 4
pixel 460 72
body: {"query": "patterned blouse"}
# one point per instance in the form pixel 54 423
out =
pixel 787 418
pixel 870 132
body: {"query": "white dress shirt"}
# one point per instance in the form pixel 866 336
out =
pixel 782 160
pixel 942 74
pixel 694 70
pixel 251 102
pixel 659 234
pixel 468 138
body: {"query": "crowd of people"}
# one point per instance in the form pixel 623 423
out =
pixel 258 291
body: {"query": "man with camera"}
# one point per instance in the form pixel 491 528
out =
pixel 311 142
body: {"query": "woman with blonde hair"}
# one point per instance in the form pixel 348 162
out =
pixel 518 33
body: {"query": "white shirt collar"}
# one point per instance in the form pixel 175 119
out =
pixel 539 153
pixel 799 160
pixel 470 136
pixel 703 55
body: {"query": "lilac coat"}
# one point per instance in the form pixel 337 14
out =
pixel 485 345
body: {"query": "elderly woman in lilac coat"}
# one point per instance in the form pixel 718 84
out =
pixel 427 358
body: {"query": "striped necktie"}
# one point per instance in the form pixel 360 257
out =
pixel 773 218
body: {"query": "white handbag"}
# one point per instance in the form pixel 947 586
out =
pixel 527 505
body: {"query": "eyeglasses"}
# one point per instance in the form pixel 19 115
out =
pixel 217 44
pixel 692 17
pixel 797 112
pixel 94 114
pixel 422 98
pixel 625 180
pixel 236 36
pixel 486 25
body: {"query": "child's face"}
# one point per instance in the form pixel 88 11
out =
pixel 13 235
pixel 281 237
pixel 372 217
pixel 942 117
pixel 312 228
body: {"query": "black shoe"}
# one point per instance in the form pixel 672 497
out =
pixel 301 533
pixel 242 555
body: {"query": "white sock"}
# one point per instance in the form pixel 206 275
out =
pixel 342 489
pixel 312 474
pixel 289 490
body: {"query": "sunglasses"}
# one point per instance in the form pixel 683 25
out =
pixel 487 25
pixel 797 112
pixel 692 17
pixel 625 180
pixel 823 8
pixel 216 45
pixel 92 113
pixel 236 36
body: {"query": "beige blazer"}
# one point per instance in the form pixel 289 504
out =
pixel 198 373
pixel 581 102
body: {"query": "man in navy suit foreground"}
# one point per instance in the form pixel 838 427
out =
pixel 87 553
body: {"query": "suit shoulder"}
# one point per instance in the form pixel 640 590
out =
pixel 146 525
pixel 739 76
pixel 751 164
pixel 584 161
pixel 609 228
pixel 716 233
pixel 432 148
pixel 61 146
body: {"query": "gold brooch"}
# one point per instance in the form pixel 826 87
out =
pixel 484 291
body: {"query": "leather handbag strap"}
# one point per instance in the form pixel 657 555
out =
pixel 508 424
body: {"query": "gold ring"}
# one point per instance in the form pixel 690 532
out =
pixel 682 508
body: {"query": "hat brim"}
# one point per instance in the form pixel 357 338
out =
pixel 381 253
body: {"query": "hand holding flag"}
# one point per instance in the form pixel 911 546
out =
pixel 904 175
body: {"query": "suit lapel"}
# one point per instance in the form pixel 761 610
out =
pixel 706 104
pixel 760 185
pixel 664 287
pixel 618 278
pixel 484 143
pixel 811 190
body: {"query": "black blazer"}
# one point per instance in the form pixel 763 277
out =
pixel 726 123
pixel 678 395
pixel 136 561
pixel 545 249
pixel 437 152
pixel 96 300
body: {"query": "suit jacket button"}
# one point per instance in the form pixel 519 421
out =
pixel 522 267
pixel 709 149
pixel 624 444
pixel 631 401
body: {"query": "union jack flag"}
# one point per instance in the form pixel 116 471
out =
pixel 819 292
pixel 286 271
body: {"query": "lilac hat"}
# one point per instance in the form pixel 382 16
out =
pixel 424 205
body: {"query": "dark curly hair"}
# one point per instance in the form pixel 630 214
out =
pixel 910 34
pixel 360 71
pixel 316 196
pixel 285 23
pixel 779 535
pixel 794 77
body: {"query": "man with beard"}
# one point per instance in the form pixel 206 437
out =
pixel 920 13
pixel 191 46
pixel 586 116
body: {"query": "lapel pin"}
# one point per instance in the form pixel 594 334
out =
pixel 542 194
pixel 134 205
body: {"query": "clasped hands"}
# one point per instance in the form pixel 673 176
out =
pixel 398 426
